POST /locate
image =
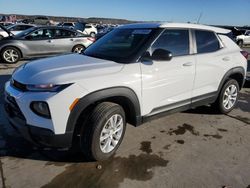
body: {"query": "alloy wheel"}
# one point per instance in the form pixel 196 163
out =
pixel 111 133
pixel 230 97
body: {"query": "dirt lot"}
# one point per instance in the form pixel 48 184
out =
pixel 196 148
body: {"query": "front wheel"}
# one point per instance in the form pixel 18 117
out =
pixel 103 131
pixel 10 55
pixel 228 97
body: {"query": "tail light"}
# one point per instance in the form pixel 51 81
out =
pixel 245 54
pixel 91 39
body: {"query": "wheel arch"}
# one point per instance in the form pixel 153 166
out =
pixel 237 73
pixel 77 45
pixel 123 96
pixel 12 46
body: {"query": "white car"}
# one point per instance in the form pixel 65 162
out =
pixel 133 74
pixel 90 30
pixel 15 29
pixel 243 39
pixel 87 29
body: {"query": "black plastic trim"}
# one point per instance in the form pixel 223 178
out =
pixel 99 96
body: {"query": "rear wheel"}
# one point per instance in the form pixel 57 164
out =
pixel 228 97
pixel 240 43
pixel 103 131
pixel 78 49
pixel 92 34
pixel 1 37
pixel 10 55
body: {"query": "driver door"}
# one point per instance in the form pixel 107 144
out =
pixel 168 84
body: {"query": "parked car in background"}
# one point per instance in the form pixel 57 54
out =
pixel 41 20
pixel 42 41
pixel 135 73
pixel 87 29
pixel 14 29
pixel 6 24
pixel 243 39
pixel 70 25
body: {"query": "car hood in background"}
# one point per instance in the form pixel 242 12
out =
pixel 64 69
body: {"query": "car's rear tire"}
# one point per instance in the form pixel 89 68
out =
pixel 240 43
pixel 103 131
pixel 92 34
pixel 228 97
pixel 10 55
pixel 78 49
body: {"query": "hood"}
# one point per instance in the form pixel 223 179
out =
pixel 6 30
pixel 64 69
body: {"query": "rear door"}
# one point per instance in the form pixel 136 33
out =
pixel 212 62
pixel 64 40
pixel 168 84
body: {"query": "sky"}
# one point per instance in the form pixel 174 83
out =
pixel 215 12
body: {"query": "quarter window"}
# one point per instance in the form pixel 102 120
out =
pixel 175 41
pixel 206 41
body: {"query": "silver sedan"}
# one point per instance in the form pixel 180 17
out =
pixel 42 41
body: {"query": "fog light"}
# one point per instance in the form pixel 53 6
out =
pixel 41 109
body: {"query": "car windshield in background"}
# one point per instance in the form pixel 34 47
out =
pixel 120 45
pixel 25 32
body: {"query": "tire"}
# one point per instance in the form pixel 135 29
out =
pixel 240 43
pixel 92 34
pixel 78 49
pixel 10 55
pixel 224 104
pixel 1 37
pixel 97 126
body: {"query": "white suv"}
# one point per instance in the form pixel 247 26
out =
pixel 134 73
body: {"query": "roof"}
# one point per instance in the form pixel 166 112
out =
pixel 176 25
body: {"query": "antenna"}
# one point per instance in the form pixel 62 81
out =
pixel 199 18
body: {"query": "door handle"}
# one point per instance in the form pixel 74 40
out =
pixel 188 64
pixel 50 41
pixel 71 39
pixel 226 58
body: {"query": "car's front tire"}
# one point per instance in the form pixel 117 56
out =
pixel 228 97
pixel 103 131
pixel 10 55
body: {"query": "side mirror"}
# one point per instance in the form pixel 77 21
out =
pixel 162 55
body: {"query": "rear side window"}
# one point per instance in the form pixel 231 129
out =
pixel 206 41
pixel 175 41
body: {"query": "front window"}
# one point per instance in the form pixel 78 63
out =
pixel 120 45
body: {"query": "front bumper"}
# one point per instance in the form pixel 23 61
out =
pixel 38 136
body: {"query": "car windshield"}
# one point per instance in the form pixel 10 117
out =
pixel 25 32
pixel 120 45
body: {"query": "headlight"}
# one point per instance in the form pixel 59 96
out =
pixel 40 108
pixel 46 87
